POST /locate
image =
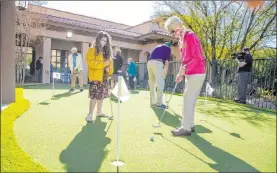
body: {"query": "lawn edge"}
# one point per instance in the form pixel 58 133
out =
pixel 13 157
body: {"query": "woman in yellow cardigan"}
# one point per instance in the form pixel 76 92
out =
pixel 100 68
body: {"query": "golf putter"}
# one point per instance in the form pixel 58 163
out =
pixel 110 98
pixel 159 124
pixel 111 117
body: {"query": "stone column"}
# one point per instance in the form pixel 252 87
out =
pixel 8 55
pixel 46 51
pixel 84 50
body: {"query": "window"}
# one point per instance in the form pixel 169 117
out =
pixel 59 60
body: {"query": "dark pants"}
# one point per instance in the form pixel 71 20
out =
pixel 51 77
pixel 39 75
pixel 131 82
pixel 243 79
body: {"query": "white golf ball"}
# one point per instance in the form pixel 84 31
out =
pixel 152 138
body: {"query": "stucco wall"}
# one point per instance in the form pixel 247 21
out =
pixel 46 63
pixel 65 45
pixel 7 51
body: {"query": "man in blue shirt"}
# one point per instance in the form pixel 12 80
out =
pixel 132 72
pixel 157 67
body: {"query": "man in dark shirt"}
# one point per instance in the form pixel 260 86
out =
pixel 244 75
pixel 157 67
pixel 117 63
pixel 39 68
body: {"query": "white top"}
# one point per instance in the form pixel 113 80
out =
pixel 79 62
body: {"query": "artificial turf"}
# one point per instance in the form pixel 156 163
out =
pixel 55 134
pixel 13 158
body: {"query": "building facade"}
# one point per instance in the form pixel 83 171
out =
pixel 135 42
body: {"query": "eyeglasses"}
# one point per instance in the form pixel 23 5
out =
pixel 172 32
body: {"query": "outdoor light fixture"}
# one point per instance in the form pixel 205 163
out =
pixel 69 35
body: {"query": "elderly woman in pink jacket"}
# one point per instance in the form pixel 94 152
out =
pixel 193 68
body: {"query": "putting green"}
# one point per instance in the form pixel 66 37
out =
pixel 55 134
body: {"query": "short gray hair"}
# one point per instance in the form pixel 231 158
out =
pixel 171 21
pixel 118 52
pixel 74 50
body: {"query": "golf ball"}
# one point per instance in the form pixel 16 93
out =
pixel 152 138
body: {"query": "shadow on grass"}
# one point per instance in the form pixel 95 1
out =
pixel 168 119
pixel 65 94
pixel 254 116
pixel 86 151
pixel 44 103
pixel 232 134
pixel 57 97
pixel 58 86
pixel 225 162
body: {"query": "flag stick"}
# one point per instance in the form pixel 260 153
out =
pixel 117 162
pixel 118 119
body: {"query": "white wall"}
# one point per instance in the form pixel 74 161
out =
pixel 65 45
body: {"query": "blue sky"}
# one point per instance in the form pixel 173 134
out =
pixel 126 12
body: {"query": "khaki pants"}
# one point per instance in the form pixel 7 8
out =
pixel 156 79
pixel 192 90
pixel 80 78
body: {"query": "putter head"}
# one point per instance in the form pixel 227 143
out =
pixel 156 126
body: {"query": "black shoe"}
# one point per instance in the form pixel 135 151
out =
pixel 81 90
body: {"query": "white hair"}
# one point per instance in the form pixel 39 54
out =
pixel 74 50
pixel 172 21
pixel 130 59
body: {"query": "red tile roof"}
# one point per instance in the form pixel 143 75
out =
pixel 98 27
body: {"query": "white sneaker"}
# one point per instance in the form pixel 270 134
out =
pixel 89 118
pixel 101 114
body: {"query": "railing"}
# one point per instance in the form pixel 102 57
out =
pixel 222 77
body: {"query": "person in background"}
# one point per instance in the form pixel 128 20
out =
pixel 100 68
pixel 193 67
pixel 32 68
pixel 39 68
pixel 75 64
pixel 157 67
pixel 117 63
pixel 132 72
pixel 244 75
